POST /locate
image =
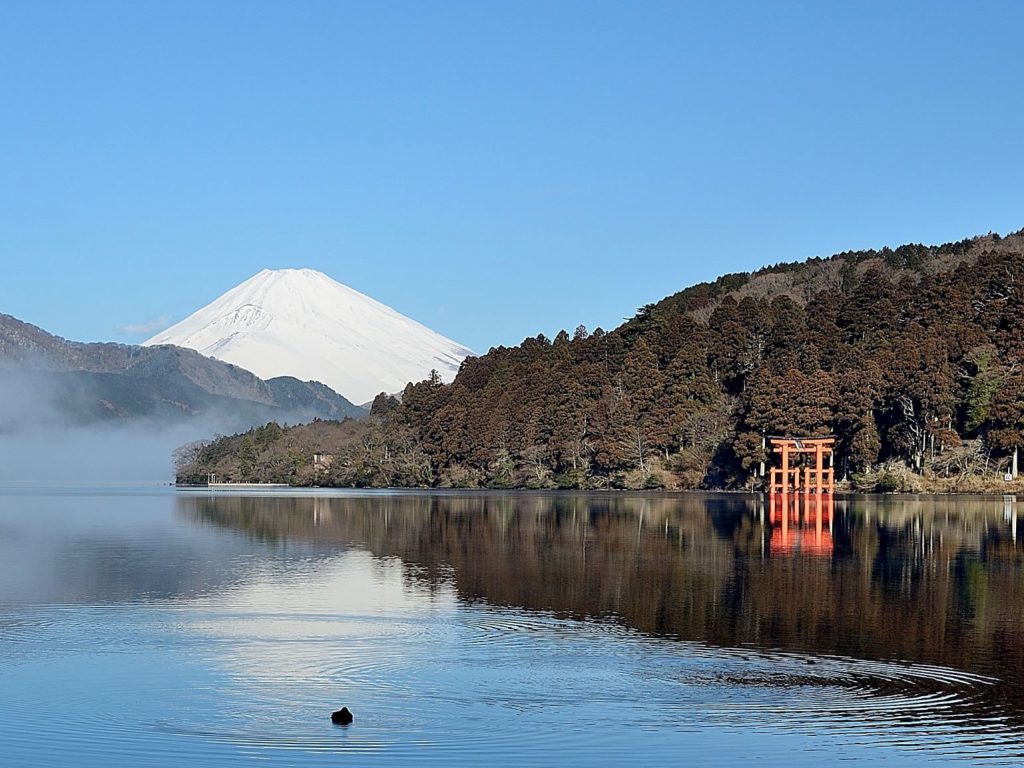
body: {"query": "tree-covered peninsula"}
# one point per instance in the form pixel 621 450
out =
pixel 913 357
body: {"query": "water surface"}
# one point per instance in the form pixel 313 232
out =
pixel 168 628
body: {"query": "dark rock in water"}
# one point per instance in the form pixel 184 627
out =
pixel 341 717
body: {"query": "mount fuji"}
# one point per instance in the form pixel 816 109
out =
pixel 301 323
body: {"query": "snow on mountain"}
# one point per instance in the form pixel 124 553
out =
pixel 300 322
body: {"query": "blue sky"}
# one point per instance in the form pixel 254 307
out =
pixel 494 170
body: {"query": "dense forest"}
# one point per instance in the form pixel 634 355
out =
pixel 911 356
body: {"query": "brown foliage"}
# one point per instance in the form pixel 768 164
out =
pixel 898 352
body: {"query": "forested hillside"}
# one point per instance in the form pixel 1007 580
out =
pixel 912 357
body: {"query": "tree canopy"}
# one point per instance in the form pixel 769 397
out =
pixel 907 355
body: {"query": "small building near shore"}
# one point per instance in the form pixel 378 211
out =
pixel 322 461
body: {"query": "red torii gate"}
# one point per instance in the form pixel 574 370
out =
pixel 819 479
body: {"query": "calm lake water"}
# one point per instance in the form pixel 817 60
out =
pixel 184 628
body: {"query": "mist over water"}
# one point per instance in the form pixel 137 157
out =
pixel 58 432
pixel 96 457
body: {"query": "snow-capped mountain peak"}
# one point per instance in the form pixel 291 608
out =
pixel 300 322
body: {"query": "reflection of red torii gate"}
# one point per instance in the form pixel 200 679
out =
pixel 819 479
pixel 798 524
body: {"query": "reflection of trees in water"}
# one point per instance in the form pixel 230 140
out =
pixel 928 580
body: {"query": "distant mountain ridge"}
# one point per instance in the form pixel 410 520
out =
pixel 300 322
pixel 90 382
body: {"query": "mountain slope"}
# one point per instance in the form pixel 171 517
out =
pixel 300 322
pixel 74 382
pixel 913 357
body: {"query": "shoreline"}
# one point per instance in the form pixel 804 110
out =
pixel 1016 489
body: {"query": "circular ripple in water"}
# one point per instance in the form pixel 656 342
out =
pixel 910 706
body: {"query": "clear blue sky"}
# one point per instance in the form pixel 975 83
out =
pixel 492 170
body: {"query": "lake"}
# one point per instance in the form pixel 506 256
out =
pixel 170 628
